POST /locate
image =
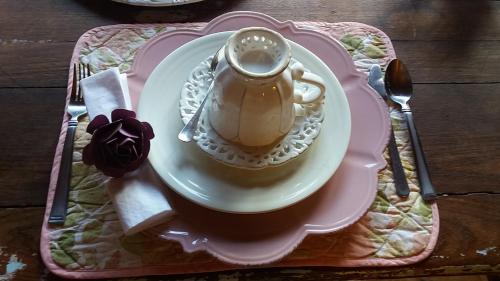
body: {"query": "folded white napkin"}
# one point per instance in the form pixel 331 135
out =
pixel 139 200
pixel 138 197
pixel 105 91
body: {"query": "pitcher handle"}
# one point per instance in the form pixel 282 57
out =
pixel 299 74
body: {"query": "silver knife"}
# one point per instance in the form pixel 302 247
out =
pixel 376 81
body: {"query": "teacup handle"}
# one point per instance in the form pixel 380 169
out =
pixel 299 74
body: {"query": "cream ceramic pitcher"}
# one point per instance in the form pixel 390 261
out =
pixel 253 99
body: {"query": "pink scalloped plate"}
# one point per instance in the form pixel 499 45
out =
pixel 253 239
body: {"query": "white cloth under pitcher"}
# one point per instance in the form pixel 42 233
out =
pixel 253 98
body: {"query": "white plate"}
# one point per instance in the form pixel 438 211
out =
pixel 194 175
pixel 157 3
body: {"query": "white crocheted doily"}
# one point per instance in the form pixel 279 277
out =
pixel 306 127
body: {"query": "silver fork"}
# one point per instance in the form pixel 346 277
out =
pixel 76 109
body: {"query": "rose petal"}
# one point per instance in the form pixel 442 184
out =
pixel 96 123
pixel 126 148
pixel 109 166
pixel 132 126
pixel 108 157
pixel 88 154
pixel 110 141
pixel 143 157
pixel 122 154
pixel 128 134
pixel 148 130
pixel 121 113
pixel 127 141
pixel 107 133
pixel 134 165
pixel 136 153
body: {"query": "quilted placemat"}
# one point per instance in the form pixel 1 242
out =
pixel 91 243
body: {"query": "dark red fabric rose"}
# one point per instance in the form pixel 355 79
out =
pixel 120 146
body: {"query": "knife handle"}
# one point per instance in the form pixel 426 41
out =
pixel 60 202
pixel 398 172
pixel 426 189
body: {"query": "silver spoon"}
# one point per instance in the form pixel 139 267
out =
pixel 376 81
pixel 187 133
pixel 400 90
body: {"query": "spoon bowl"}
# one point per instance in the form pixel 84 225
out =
pixel 398 83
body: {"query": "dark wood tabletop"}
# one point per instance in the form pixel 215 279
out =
pixel 451 47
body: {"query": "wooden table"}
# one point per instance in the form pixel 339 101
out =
pixel 451 47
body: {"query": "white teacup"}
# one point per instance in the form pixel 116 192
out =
pixel 253 98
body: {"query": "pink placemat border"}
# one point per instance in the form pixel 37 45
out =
pixel 209 266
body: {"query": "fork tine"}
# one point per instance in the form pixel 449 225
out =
pixel 81 75
pixel 86 73
pixel 74 86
